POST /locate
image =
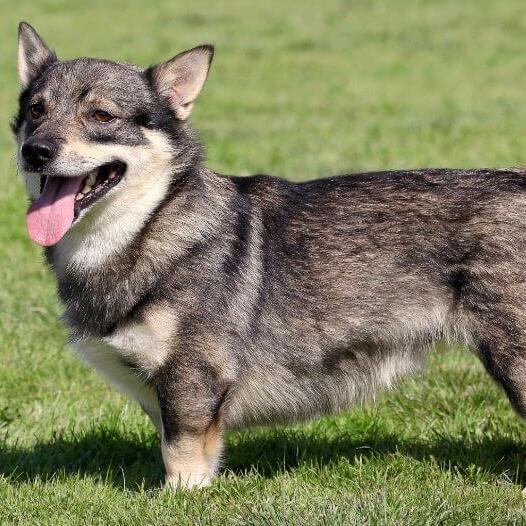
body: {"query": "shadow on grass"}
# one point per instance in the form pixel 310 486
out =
pixel 134 463
pixel 107 455
pixel 285 451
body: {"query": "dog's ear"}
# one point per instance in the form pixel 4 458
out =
pixel 181 78
pixel 33 54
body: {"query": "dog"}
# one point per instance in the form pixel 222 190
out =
pixel 220 301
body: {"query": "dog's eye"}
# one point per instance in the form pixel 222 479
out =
pixel 102 116
pixel 37 110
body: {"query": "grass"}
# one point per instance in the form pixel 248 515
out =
pixel 298 89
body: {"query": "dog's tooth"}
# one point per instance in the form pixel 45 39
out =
pixel 92 178
pixel 79 196
pixel 86 189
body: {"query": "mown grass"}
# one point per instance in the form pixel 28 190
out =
pixel 298 89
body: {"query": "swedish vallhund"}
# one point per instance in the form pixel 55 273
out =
pixel 219 301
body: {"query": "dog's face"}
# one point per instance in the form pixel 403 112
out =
pixel 93 132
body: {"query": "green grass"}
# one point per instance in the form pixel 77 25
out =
pixel 299 89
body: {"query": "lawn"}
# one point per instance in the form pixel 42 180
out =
pixel 299 89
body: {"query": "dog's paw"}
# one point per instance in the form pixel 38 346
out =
pixel 188 481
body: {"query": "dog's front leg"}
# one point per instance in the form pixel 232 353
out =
pixel 191 459
pixel 191 437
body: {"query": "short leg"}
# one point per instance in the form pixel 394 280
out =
pixel 191 438
pixel 504 356
pixel 498 332
pixel 191 459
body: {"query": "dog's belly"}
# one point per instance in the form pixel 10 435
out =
pixel 270 389
pixel 284 395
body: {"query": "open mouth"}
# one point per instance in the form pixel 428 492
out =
pixel 63 198
pixel 96 184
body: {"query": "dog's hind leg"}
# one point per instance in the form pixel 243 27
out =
pixel 497 328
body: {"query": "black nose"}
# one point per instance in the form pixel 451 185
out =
pixel 38 152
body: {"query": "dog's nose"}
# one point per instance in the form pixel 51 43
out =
pixel 38 152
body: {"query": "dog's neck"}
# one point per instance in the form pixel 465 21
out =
pixel 106 267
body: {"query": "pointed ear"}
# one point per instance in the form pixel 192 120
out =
pixel 33 54
pixel 181 78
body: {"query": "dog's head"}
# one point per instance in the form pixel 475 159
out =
pixel 91 132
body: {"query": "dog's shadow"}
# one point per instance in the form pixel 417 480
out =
pixel 129 463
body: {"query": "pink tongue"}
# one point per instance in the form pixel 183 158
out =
pixel 51 215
